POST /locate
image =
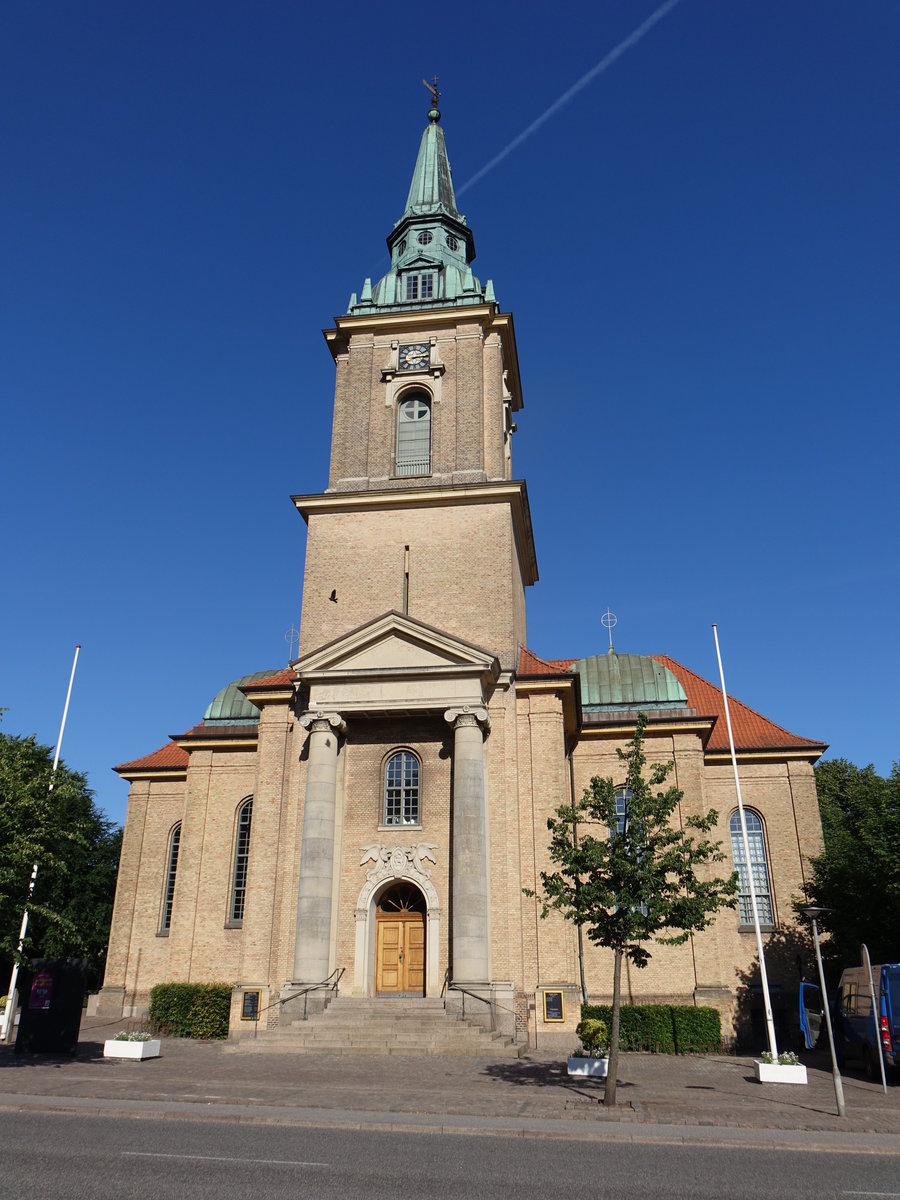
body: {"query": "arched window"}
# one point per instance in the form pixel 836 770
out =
pixel 401 789
pixel 241 859
pixel 623 795
pixel 414 434
pixel 623 823
pixel 758 865
pixel 171 870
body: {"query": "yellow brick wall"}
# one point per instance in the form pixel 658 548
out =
pixel 467 419
pixel 463 574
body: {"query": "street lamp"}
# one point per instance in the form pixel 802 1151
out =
pixel 812 912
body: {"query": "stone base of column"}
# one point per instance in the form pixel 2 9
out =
pixel 108 1002
pixel 294 1007
pixel 490 1004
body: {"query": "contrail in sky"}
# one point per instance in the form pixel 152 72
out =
pixel 606 61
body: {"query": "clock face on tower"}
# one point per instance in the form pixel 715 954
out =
pixel 413 357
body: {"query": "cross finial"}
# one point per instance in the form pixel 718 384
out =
pixel 290 636
pixel 433 88
pixel 609 620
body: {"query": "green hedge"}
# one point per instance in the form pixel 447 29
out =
pixel 662 1028
pixel 193 1010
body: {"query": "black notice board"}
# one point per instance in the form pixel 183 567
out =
pixel 250 1006
pixel 553 1006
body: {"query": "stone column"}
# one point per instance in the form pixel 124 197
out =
pixel 313 939
pixel 471 952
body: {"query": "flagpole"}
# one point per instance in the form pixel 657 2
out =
pixel 770 1023
pixel 10 999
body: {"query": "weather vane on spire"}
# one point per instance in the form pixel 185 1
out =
pixel 433 88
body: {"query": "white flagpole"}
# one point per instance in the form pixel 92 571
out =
pixel 770 1024
pixel 9 1012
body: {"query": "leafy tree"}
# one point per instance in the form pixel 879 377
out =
pixel 76 849
pixel 630 877
pixel 858 875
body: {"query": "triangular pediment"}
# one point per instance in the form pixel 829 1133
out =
pixel 395 642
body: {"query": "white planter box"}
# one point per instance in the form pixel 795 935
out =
pixel 594 1068
pixel 114 1049
pixel 780 1072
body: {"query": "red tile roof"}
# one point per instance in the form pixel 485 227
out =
pixel 277 679
pixel 752 731
pixel 531 664
pixel 166 757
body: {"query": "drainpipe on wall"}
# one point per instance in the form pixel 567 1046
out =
pixel 584 995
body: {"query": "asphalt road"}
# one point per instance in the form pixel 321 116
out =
pixel 45 1155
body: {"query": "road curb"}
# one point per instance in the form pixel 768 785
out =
pixel 602 1130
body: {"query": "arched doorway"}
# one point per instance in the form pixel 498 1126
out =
pixel 400 941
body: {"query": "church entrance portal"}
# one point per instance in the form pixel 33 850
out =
pixel 400 942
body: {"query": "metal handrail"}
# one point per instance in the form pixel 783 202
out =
pixel 492 1004
pixel 329 983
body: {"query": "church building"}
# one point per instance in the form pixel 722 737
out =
pixel 361 824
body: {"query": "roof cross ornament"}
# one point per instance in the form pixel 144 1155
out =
pixel 609 620
pixel 290 636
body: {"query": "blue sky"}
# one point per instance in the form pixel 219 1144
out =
pixel 700 251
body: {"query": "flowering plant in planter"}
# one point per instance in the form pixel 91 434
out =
pixel 591 1059
pixel 131 1045
pixel 786 1059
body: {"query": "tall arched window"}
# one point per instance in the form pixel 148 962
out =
pixel 758 865
pixel 401 789
pixel 623 823
pixel 623 795
pixel 241 860
pixel 171 870
pixel 414 434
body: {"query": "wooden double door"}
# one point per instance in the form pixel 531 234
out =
pixel 400 942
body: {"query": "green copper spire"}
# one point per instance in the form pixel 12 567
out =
pixel 431 189
pixel 431 246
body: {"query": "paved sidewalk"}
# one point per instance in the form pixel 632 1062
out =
pixel 714 1098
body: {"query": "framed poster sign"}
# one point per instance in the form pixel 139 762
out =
pixel 554 1008
pixel 41 991
pixel 250 1006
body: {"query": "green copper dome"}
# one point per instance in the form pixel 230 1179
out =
pixel 231 706
pixel 611 682
pixel 431 246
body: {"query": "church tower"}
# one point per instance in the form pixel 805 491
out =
pixel 422 514
pixel 418 556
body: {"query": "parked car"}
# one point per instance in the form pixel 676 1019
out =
pixel 857 1032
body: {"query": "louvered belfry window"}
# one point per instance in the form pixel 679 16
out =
pixel 414 435
pixel 401 789
pixel 241 861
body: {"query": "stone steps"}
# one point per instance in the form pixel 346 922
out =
pixel 359 1026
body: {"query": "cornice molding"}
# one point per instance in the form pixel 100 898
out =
pixel 216 743
pixel 177 773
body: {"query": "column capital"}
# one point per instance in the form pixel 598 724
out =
pixel 468 714
pixel 317 721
